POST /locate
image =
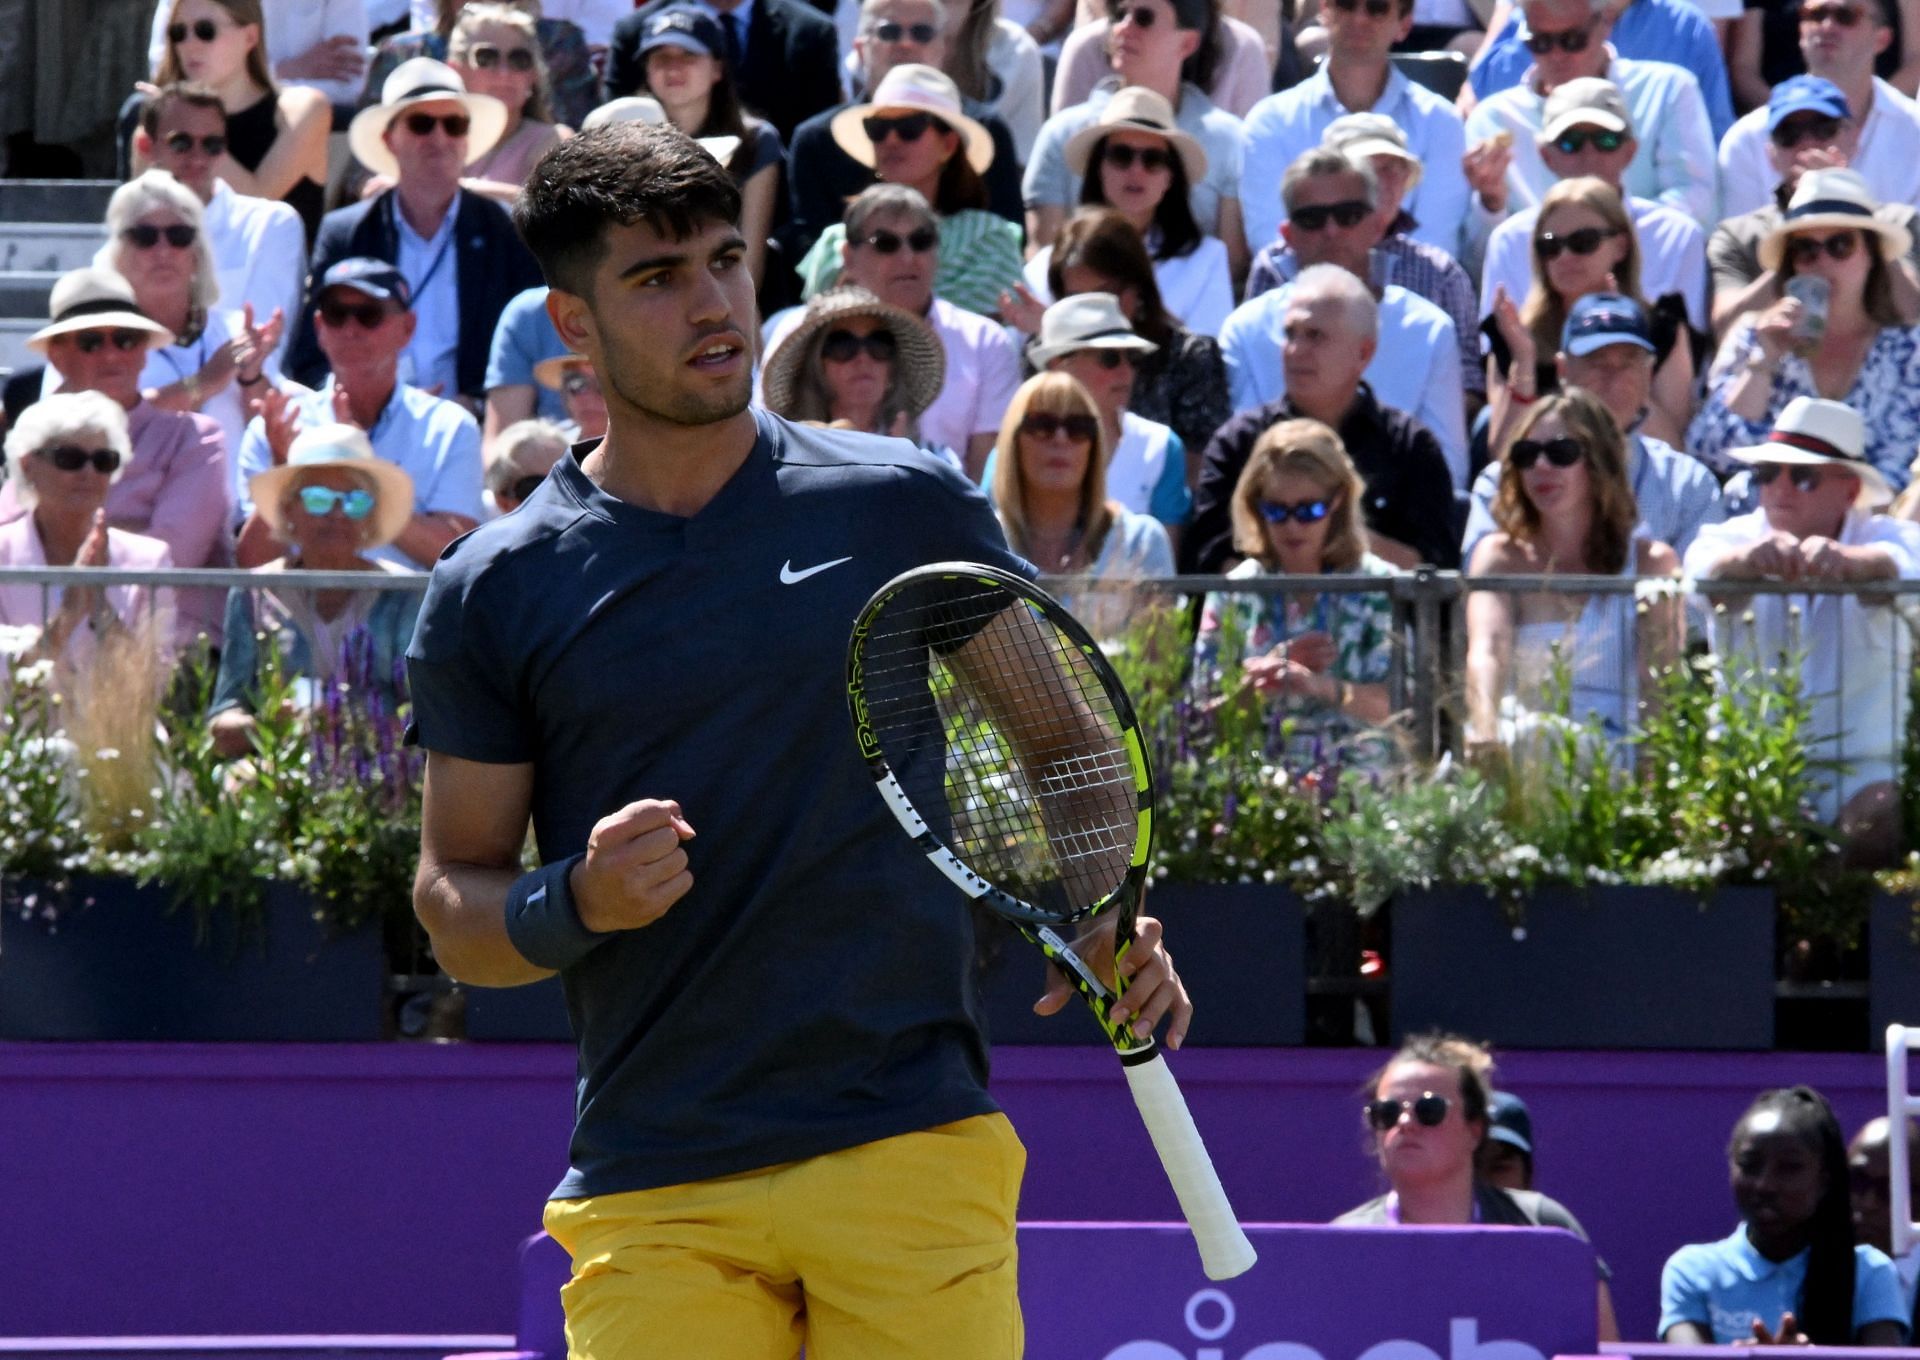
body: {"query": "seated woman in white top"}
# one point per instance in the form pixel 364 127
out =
pixel 1137 161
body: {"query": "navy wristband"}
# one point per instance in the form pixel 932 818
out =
pixel 542 921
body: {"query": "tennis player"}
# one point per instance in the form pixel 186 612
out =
pixel 784 1135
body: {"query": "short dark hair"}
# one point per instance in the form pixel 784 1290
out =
pixel 617 175
pixel 190 92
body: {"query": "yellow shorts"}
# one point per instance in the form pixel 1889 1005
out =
pixel 896 1250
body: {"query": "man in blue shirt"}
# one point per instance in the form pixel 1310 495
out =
pixel 523 339
pixel 784 1135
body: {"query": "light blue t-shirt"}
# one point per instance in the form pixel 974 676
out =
pixel 523 337
pixel 1724 1286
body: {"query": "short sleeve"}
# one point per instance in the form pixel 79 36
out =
pixel 1048 182
pixel 458 475
pixel 1171 502
pixel 1877 1292
pixel 465 683
pixel 1683 1294
pixel 510 359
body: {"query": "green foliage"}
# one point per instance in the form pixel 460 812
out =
pixel 41 836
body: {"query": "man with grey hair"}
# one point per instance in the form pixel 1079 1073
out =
pixel 1332 225
pixel 1330 325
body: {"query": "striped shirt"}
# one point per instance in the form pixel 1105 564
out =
pixel 980 258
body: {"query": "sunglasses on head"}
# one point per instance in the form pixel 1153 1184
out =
pixel 1575 140
pixel 577 382
pixel 1138 15
pixel 181 143
pixel 145 236
pixel 91 342
pixel 840 346
pixel 1121 157
pixel 909 127
pixel 1375 9
pixel 321 500
pixel 1818 129
pixel 1805 250
pixel 423 124
pixel 1315 216
pixel 485 56
pixel 205 30
pixel 1080 429
pixel 1846 16
pixel 1562 452
pixel 1567 40
pixel 920 240
pixel 1306 512
pixel 1804 478
pixel 1582 242
pixel 889 31
pixel 1428 1111
pixel 526 486
pixel 337 313
pixel 71 458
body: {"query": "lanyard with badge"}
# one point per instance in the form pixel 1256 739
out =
pixel 440 256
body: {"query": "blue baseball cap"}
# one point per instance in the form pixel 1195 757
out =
pixel 1601 319
pixel 375 278
pixel 1805 94
pixel 684 26
pixel 1509 1122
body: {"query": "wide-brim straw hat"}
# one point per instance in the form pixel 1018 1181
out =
pixel 920 365
pixel 1829 199
pixel 1815 432
pixel 94 299
pixel 337 446
pixel 1135 109
pixel 422 80
pixel 641 108
pixel 913 88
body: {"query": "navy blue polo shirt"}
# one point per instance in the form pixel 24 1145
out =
pixel 812 991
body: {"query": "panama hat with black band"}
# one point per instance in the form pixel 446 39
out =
pixel 96 299
pixel 1085 321
pixel 1137 109
pixel 1828 199
pixel 1815 432
pixel 422 80
pixel 911 89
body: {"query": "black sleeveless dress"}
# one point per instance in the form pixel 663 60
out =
pixel 250 134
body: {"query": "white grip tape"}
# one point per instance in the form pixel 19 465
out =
pixel 1224 1250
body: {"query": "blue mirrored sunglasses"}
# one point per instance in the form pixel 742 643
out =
pixel 1307 512
pixel 320 500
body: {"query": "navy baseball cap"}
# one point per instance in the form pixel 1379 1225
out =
pixel 375 278
pixel 1601 319
pixel 1508 1122
pixel 1805 94
pixel 686 27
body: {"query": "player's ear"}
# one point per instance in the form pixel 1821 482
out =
pixel 572 320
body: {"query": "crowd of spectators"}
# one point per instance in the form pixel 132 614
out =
pixel 1592 287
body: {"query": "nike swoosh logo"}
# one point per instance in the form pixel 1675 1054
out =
pixel 790 577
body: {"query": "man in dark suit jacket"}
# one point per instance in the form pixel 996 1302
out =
pixel 789 72
pixel 459 252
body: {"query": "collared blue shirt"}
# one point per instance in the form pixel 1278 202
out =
pixel 1723 1287
pixel 1650 30
pixel 433 441
pixel 522 338
pixel 1283 126
pixel 432 269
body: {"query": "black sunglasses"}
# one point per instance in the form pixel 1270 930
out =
pixel 145 236
pixel 368 314
pixel 90 342
pixel 1314 217
pixel 206 30
pixel 71 458
pixel 841 346
pixel 1376 9
pixel 1804 478
pixel 1805 250
pixel 920 240
pixel 1080 429
pixel 1582 242
pixel 1846 16
pixel 1819 128
pixel 423 124
pixel 1575 140
pixel 1428 1111
pixel 1121 157
pixel 525 487
pixel 909 127
pixel 485 56
pixel 1307 512
pixel 1108 357
pixel 888 31
pixel 1562 453
pixel 1140 15
pixel 180 143
pixel 577 382
pixel 1567 40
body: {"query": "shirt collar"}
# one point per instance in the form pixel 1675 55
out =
pixel 1611 71
pixel 1747 1258
pixel 323 402
pixel 441 232
pixel 1392 94
pixel 743 12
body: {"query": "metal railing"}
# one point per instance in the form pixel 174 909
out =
pixel 1902 1105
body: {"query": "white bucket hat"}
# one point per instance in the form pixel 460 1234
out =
pixel 917 89
pixel 1085 321
pixel 1815 432
pixel 1136 109
pixel 1829 199
pixel 94 299
pixel 337 446
pixel 640 108
pixel 422 80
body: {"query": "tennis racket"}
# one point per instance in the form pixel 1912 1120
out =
pixel 1007 748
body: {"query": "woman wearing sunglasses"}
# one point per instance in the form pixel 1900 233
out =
pixel 276 138
pixel 1565 508
pixel 573 85
pixel 915 132
pixel 857 363
pixel 1049 489
pixel 497 52
pixel 331 503
pixel 1321 659
pixel 1832 333
pixel 1426 1113
pixel 62 455
pixel 520 459
pixel 1583 242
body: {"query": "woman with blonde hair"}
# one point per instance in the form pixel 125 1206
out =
pixel 1584 242
pixel 1324 658
pixel 1565 507
pixel 496 50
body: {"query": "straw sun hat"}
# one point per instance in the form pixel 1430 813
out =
pixel 422 80
pixel 337 446
pixel 920 366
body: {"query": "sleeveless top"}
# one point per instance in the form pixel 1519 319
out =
pixel 1599 651
pixel 250 135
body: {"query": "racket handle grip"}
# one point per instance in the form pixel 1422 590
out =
pixel 1224 1249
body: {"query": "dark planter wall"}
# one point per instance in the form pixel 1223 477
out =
pixel 1614 968
pixel 1894 963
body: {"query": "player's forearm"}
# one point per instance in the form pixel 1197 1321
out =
pixel 464 910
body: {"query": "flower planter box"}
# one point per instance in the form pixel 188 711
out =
pixel 1893 961
pixel 1240 948
pixel 536 1013
pixel 1617 967
pixel 119 964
